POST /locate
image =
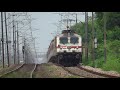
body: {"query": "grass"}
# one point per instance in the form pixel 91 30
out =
pixel 112 63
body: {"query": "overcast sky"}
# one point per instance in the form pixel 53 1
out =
pixel 44 23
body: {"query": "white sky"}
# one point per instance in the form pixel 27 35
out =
pixel 44 22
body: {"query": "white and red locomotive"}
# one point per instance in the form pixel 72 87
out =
pixel 66 49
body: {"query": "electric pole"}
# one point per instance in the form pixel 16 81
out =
pixel 2 38
pixel 76 18
pixel 86 36
pixel 93 37
pixel 15 43
pixel 18 43
pixel 13 40
pixel 0 47
pixel 105 57
pixel 67 25
pixel 7 39
pixel 24 51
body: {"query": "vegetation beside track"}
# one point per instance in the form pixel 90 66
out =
pixel 113 40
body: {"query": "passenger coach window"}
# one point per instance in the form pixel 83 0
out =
pixel 63 40
pixel 74 40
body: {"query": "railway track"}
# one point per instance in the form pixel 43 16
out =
pixel 31 74
pixel 70 72
pixel 81 73
pixel 24 71
pixel 11 71
pixel 28 71
pixel 85 73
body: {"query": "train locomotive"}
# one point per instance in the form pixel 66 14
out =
pixel 66 49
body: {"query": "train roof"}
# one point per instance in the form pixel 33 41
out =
pixel 67 31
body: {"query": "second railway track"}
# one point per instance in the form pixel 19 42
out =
pixel 24 71
pixel 32 72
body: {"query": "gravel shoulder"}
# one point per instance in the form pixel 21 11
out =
pixel 83 73
pixel 114 73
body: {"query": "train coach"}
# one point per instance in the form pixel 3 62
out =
pixel 66 49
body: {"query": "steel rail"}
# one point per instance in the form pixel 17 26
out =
pixel 12 70
pixel 31 74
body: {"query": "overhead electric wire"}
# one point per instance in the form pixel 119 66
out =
pixel 12 21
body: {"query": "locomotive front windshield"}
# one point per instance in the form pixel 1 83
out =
pixel 74 40
pixel 63 40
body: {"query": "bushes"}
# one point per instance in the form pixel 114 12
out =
pixel 114 48
pixel 112 44
pixel 112 63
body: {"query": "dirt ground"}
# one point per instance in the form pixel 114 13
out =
pixel 6 69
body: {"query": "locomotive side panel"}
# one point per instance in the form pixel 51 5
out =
pixel 52 49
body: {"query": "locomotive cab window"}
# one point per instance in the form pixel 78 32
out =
pixel 63 40
pixel 74 40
